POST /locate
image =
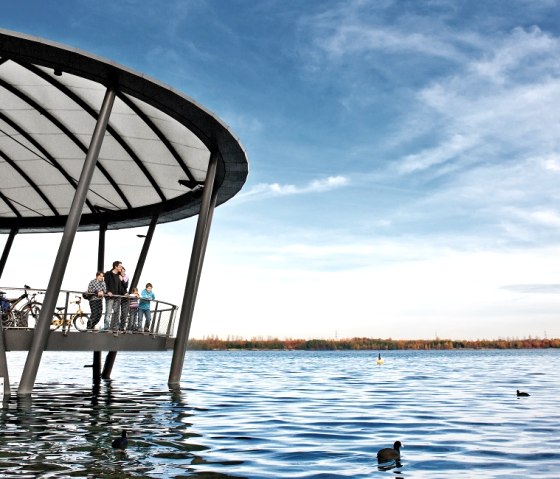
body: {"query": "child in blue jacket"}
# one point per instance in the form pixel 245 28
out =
pixel 146 297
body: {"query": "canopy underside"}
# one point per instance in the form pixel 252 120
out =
pixel 154 155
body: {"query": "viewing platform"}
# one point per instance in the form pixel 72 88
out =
pixel 68 335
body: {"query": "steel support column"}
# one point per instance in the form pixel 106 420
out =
pixel 144 252
pixel 108 366
pixel 42 328
pixel 195 267
pixel 4 364
pixel 96 365
pixel 101 247
pixel 7 248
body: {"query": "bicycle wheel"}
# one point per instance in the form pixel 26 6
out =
pixel 81 322
pixel 8 319
pixel 29 315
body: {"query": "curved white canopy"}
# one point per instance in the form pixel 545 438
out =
pixel 153 158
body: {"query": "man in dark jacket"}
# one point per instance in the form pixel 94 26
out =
pixel 112 303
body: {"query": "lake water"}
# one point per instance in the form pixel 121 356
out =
pixel 297 414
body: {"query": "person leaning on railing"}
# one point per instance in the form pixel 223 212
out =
pixel 146 296
pixel 96 290
pixel 124 300
pixel 113 304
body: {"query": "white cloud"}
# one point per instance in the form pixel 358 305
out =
pixel 551 162
pixel 357 28
pixel 516 115
pixel 276 189
pixel 545 217
pixel 355 38
pixel 523 48
pixel 448 150
pixel 329 183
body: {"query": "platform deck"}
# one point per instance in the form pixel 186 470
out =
pixel 20 340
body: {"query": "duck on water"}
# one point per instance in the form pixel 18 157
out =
pixel 119 444
pixel 390 454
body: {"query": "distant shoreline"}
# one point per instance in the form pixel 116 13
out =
pixel 368 344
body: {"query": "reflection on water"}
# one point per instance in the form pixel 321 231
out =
pixel 288 414
pixel 68 432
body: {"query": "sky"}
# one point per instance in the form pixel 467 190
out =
pixel 404 163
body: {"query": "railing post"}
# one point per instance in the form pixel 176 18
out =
pixel 171 320
pixel 156 316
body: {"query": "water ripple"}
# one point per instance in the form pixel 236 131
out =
pixel 256 414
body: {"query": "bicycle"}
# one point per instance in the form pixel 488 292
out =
pixel 14 313
pixel 78 319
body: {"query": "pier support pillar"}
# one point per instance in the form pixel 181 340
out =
pixel 42 328
pixel 4 364
pixel 108 366
pixel 96 368
pixel 207 206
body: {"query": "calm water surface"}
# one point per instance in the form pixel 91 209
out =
pixel 260 414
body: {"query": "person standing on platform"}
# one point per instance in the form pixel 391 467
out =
pixel 146 297
pixel 114 288
pixel 96 289
pixel 124 300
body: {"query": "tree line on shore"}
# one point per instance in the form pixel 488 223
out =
pixel 356 344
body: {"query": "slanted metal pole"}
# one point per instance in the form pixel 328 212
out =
pixel 96 365
pixel 108 366
pixel 195 266
pixel 144 252
pixel 42 328
pixel 7 248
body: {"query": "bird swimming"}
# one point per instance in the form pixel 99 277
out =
pixel 120 443
pixel 380 360
pixel 390 454
pixel 522 394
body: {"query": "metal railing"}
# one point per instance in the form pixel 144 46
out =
pixel 20 308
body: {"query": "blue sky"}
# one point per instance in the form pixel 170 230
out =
pixel 404 162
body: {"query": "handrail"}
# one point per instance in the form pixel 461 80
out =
pixel 163 313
